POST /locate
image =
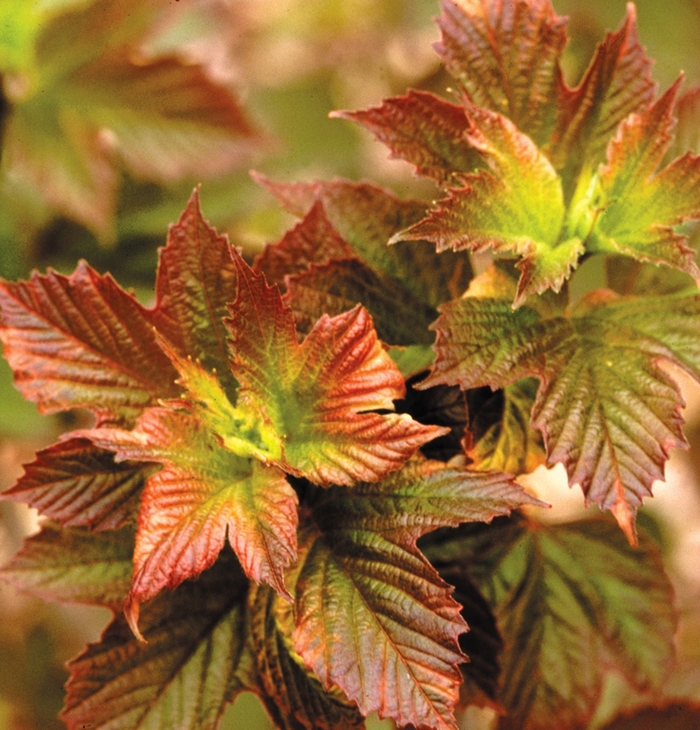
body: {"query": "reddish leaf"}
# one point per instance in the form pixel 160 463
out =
pixel 80 485
pixel 424 130
pixel 319 395
pixel 74 566
pixel 196 280
pixel 373 616
pixel 367 216
pixel 82 342
pixel 293 695
pixel 506 55
pixel 641 206
pixel 338 286
pixel 313 241
pixel 617 83
pixel 203 492
pixel 193 664
pixel 606 409
pixel 680 714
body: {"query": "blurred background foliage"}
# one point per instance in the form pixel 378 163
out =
pixel 112 111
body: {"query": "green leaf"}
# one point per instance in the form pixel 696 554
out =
pixel 424 130
pixel 195 282
pixel 319 396
pixel 80 485
pixel 367 216
pixel 516 205
pixel 372 614
pixel 194 664
pixel 506 56
pixel 203 493
pixel 639 206
pixel 293 695
pixel 82 342
pixel 606 409
pixel 74 566
pixel 572 602
pixel 91 99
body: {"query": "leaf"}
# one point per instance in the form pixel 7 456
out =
pixel 506 56
pixel 293 695
pixel 501 435
pixel 572 601
pixel 193 665
pixel 516 205
pixel 203 492
pixel 367 216
pixel 338 286
pixel 606 409
pixel 372 614
pixel 319 396
pixel 424 130
pixel 196 281
pixel 82 342
pixel 616 84
pixel 80 485
pixel 640 206
pixel 312 241
pixel 74 566
pixel 91 98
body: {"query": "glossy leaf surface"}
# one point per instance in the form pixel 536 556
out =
pixel 319 395
pixel 371 611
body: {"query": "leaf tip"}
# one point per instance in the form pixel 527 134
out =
pixel 625 516
pixel 131 612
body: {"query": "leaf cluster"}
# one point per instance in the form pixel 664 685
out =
pixel 282 499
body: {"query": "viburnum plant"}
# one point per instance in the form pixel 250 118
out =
pixel 272 442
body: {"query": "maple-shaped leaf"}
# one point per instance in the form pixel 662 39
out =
pixel 312 241
pixel 338 286
pixel 639 204
pixel 501 436
pixel 194 663
pixel 367 216
pixel 506 56
pixel 319 395
pixel 606 409
pixel 203 493
pixel 516 205
pixel 292 694
pixel 196 281
pixel 372 615
pixel 74 566
pixel 616 84
pixel 572 601
pixel 92 99
pixel 80 485
pixel 80 341
pixel 423 129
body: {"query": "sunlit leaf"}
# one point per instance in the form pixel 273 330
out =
pixel 320 395
pixel 203 494
pixel 194 664
pixel 82 342
pixel 293 695
pixel 373 616
pixel 607 411
pixel 639 205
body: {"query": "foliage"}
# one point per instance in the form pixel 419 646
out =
pixel 278 495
